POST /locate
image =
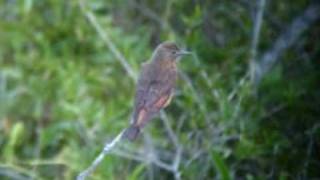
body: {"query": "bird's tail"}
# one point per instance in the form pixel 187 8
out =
pixel 131 132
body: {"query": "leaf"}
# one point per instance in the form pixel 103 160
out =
pixel 221 166
pixel 16 134
pixel 15 139
pixel 137 172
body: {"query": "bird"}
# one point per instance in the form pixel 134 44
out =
pixel 155 86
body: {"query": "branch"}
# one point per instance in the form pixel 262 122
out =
pixel 107 148
pixel 285 41
pixel 106 39
pixel 147 12
pixel 15 172
pixel 174 139
pixel 256 35
pixel 11 174
pixel 257 27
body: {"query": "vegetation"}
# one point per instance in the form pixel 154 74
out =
pixel 65 89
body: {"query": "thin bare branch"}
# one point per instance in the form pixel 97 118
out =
pixel 107 148
pixel 175 141
pixel 287 39
pixel 256 35
pixel 168 128
pixel 106 39
pixel 143 157
pixel 13 171
pixel 147 12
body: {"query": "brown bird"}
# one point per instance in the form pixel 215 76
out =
pixel 155 86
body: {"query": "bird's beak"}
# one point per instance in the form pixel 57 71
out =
pixel 183 52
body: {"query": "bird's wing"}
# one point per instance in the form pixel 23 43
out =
pixel 153 93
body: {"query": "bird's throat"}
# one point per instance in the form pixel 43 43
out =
pixel 167 64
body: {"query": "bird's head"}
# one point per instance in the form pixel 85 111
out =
pixel 168 51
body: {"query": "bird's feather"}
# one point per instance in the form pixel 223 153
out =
pixel 154 91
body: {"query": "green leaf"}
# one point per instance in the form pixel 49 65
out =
pixel 221 166
pixel 137 172
pixel 16 134
pixel 15 139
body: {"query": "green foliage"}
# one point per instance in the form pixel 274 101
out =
pixel 137 172
pixel 221 166
pixel 15 139
pixel 63 93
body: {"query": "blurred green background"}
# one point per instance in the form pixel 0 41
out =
pixel 64 91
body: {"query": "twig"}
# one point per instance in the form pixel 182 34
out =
pixel 240 84
pixel 273 111
pixel 16 170
pixel 13 175
pixel 197 96
pixel 147 12
pixel 141 157
pixel 195 155
pixel 167 11
pixel 107 148
pixel 310 147
pixel 149 147
pixel 106 39
pixel 176 163
pixel 174 139
pixel 171 134
pixel 286 40
pixel 256 36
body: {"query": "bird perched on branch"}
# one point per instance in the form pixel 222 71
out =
pixel 155 86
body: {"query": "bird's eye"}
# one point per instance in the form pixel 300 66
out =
pixel 174 52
